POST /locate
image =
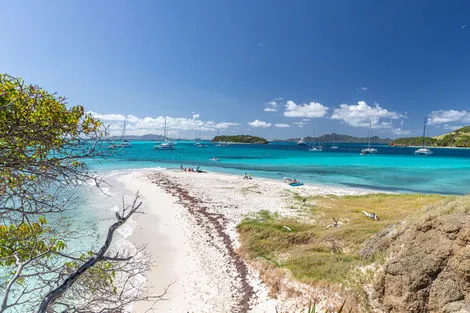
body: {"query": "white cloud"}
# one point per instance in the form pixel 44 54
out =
pixel 225 125
pixel 463 26
pixel 452 127
pixel 109 117
pixel 154 125
pixel 362 114
pixel 281 125
pixel 400 131
pixel 258 123
pixel 273 105
pixel 364 88
pixel 299 124
pixel 448 116
pixel 312 110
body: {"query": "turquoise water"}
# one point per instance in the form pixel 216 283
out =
pixel 393 168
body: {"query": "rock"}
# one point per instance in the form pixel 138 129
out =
pixel 429 268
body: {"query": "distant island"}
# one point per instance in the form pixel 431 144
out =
pixel 240 139
pixel 339 138
pixel 458 138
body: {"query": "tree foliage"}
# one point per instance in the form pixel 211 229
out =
pixel 457 138
pixel 240 139
pixel 44 143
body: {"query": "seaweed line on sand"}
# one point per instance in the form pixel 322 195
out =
pixel 216 222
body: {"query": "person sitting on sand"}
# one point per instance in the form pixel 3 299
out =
pixel 245 176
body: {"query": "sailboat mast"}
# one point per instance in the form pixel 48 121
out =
pixel 368 133
pixel 424 131
pixel 123 134
pixel 164 131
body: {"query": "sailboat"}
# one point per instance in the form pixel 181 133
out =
pixel 423 150
pixel 333 147
pixel 315 148
pixel 123 142
pixel 368 150
pixel 165 145
pixel 198 143
pixel 302 143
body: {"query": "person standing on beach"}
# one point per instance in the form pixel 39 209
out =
pixel 181 167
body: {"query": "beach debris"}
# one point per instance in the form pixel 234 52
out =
pixel 372 216
pixel 336 223
pixel 287 228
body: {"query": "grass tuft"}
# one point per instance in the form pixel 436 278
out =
pixel 316 252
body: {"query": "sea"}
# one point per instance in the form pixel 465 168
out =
pixel 395 169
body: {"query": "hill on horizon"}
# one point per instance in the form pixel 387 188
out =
pixel 457 138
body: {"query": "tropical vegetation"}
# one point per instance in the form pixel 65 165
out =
pixel 240 139
pixel 458 138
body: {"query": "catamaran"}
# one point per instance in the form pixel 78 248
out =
pixel 368 150
pixel 123 143
pixel 315 148
pixel 423 150
pixel 165 145
pixel 198 143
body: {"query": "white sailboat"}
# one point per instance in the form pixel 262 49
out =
pixel 198 143
pixel 123 143
pixel 301 142
pixel 165 145
pixel 333 147
pixel 315 148
pixel 368 150
pixel 423 150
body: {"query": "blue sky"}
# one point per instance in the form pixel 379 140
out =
pixel 270 68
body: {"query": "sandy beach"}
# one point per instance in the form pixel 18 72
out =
pixel 189 227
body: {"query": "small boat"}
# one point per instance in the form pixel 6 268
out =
pixel 222 144
pixel 313 147
pixel 302 143
pixel 165 145
pixel 126 144
pixel 423 150
pixel 333 147
pixel 200 145
pixel 292 182
pixel 368 150
pixel 122 143
pixel 214 159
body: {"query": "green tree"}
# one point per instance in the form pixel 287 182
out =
pixel 43 145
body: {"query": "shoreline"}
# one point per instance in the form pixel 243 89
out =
pixel 189 228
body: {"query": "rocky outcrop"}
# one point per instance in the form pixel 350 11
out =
pixel 428 269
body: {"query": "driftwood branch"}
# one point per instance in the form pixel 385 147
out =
pixel 59 291
pixel 372 216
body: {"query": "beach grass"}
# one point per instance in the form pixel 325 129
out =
pixel 312 248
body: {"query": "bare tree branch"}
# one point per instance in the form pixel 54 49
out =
pixel 56 293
